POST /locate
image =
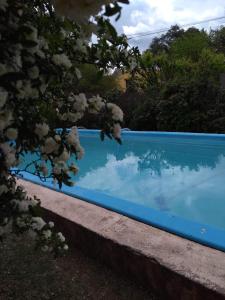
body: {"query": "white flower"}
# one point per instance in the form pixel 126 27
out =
pixel 60 167
pixel 80 46
pixel 27 91
pixel 73 168
pixel 5 147
pixel 74 130
pixel 33 202
pixel 74 117
pixel 80 103
pixel 32 233
pixel 20 12
pixel 4 69
pixel 40 53
pixel 3 189
pixel 64 156
pixel 117 114
pixel 17 59
pixel 38 223
pixel 43 43
pixel 57 138
pixel 51 224
pixel 43 169
pixel 62 60
pixel 19 84
pixel 47 233
pixel 50 145
pixel 65 247
pixel 79 10
pixel 95 104
pixel 117 131
pixel 41 130
pixel 61 237
pixel 10 159
pixel 56 170
pixel 33 72
pixel 72 136
pixel 21 222
pixel 45 248
pixel 79 152
pixel 22 205
pixel 3 4
pixel 43 87
pixel 78 73
pixel 63 33
pixel 3 97
pixel 12 133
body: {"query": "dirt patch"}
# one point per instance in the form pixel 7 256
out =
pixel 27 274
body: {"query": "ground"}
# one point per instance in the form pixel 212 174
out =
pixel 27 274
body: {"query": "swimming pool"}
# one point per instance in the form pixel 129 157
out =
pixel 173 181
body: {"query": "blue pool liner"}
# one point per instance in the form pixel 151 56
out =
pixel 200 233
pixel 128 133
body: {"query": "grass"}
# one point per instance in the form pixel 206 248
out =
pixel 26 274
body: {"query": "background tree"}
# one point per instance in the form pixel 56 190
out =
pixel 179 86
pixel 217 38
pixel 163 43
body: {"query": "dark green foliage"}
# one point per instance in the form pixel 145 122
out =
pixel 217 38
pixel 179 87
pixel 95 81
pixel 188 105
pixel 163 43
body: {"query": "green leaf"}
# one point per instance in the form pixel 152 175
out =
pixel 112 10
pixel 108 135
pixel 102 135
pixel 112 30
pixel 60 185
pixel 119 140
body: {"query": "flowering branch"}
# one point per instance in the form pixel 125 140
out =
pixel 39 70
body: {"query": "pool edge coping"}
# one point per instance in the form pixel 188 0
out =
pixel 208 265
pixel 159 133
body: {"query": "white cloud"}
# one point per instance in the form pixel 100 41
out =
pixel 152 15
pixel 140 27
pixel 181 191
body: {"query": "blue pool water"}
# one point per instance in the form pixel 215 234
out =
pixel 173 181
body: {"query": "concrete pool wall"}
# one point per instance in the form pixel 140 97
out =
pixel 171 266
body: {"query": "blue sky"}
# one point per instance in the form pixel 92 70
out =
pixel 151 15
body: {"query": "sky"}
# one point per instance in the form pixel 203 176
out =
pixel 153 15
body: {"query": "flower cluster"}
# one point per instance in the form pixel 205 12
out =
pixel 39 69
pixel 79 10
pixel 74 108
